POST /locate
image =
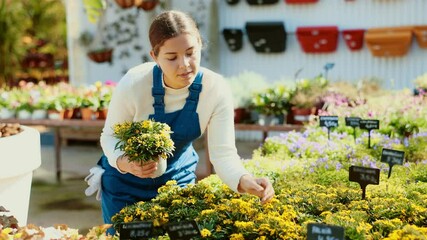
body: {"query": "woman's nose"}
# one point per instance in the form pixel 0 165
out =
pixel 185 62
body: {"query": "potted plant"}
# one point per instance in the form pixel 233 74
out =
pixel 420 85
pixel 306 98
pixel 98 49
pixel 272 104
pixel 243 86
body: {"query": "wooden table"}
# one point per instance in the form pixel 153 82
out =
pixel 57 125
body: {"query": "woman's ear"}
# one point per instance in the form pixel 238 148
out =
pixel 153 56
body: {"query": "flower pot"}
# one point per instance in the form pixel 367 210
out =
pixel 323 39
pixel 162 164
pixel 389 42
pixel 87 114
pixel 300 1
pixel 240 115
pixel 102 114
pixel 16 175
pixel 6 113
pixel 125 3
pixel 267 120
pixel 234 38
pixel 353 38
pixel 146 5
pixel 55 114
pixel 266 37
pixel 101 56
pixel 301 115
pixel 23 114
pixel 39 114
pixel 420 33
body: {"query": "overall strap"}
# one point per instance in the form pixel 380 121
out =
pixel 195 89
pixel 158 91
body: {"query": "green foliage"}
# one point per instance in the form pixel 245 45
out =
pixel 273 101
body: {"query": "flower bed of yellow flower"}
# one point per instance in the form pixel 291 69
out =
pixel 389 212
pixel 144 140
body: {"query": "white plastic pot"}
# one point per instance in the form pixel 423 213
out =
pixel 20 155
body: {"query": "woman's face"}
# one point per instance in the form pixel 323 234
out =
pixel 179 59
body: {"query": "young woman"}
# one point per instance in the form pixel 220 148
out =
pixel 176 90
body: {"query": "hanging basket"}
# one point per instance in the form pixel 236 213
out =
pixel 125 3
pixel 389 42
pixel 101 56
pixel 420 33
pixel 300 1
pixel 353 38
pixel 146 5
pixel 267 37
pixel 234 38
pixel 318 39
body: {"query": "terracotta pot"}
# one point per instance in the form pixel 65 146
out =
pixel 125 3
pixel 55 114
pixel 420 33
pixel 87 114
pixel 389 42
pixel 101 56
pixel 102 114
pixel 146 5
pixel 302 115
pixel 240 115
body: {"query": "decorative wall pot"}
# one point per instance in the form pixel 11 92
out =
pixel 125 3
pixel 261 2
pixel 323 39
pixel 389 42
pixel 267 37
pixel 104 55
pixel 353 38
pixel 232 2
pixel 420 33
pixel 300 1
pixel 234 38
pixel 146 5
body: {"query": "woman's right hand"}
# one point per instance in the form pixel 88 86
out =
pixel 136 169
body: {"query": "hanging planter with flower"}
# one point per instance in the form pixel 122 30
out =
pixel 318 39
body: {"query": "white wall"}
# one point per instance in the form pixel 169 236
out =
pixel 396 73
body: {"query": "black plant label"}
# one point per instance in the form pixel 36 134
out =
pixel 183 230
pixel 328 121
pixel 319 231
pixel 136 230
pixel 352 121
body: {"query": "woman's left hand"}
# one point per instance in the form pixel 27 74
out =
pixel 260 187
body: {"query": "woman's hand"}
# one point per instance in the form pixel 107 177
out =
pixel 260 187
pixel 136 169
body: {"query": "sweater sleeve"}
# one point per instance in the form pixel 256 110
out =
pixel 120 109
pixel 221 140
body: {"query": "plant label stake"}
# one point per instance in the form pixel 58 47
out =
pixel 136 230
pixel 328 122
pixel 353 122
pixel 392 157
pixel 364 176
pixel 369 124
pixel 183 230
pixel 319 231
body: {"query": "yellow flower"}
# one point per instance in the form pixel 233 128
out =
pixel 205 232
pixel 237 236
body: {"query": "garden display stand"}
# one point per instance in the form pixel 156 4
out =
pixel 17 171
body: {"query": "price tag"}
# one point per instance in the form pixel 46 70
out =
pixel 136 230
pixel 183 230
pixel 392 157
pixel 318 231
pixel 328 121
pixel 369 124
pixel 364 176
pixel 352 121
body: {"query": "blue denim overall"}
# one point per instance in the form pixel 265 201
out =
pixel 120 190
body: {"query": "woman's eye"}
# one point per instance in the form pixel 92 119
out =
pixel 172 59
pixel 189 54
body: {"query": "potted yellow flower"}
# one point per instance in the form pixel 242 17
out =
pixel 145 141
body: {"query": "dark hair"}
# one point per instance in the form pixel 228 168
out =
pixel 168 25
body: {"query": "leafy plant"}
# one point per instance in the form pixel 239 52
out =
pixel 308 92
pixel 272 101
pixel 144 141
